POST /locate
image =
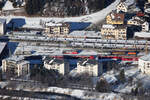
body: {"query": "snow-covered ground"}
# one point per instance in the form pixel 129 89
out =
pixel 93 18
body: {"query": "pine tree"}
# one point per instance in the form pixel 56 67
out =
pixel 34 6
pixel 29 8
pixel 14 4
pixel 102 86
pixel 122 76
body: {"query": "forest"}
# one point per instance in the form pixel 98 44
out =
pixel 63 8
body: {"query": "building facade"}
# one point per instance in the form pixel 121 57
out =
pixel 90 66
pixel 144 64
pixel 145 27
pixel 59 65
pixel 114 32
pixel 57 28
pixel 15 66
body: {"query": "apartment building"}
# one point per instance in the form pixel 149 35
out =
pixel 90 66
pixel 115 18
pixel 114 32
pixel 137 21
pixel 15 66
pixel 57 64
pixel 144 64
pixel 145 27
pixel 57 28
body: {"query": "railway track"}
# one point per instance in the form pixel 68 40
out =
pixel 83 43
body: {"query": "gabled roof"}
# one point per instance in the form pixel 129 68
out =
pixel 123 4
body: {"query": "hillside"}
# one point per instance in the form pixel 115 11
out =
pixel 56 8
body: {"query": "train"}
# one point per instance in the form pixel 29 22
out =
pixel 129 53
pixel 122 58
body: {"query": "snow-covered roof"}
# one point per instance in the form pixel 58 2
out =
pixel 15 58
pixel 2 46
pixel 142 34
pixel 84 33
pixel 53 24
pixel 51 61
pixel 85 62
pixel 145 58
pixel 108 26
